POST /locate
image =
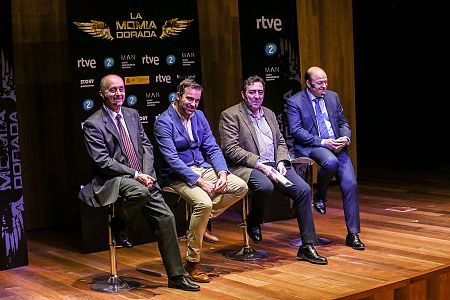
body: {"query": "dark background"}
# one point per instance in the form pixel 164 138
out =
pixel 401 77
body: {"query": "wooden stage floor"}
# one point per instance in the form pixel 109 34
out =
pixel 405 217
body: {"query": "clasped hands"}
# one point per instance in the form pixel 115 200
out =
pixel 212 188
pixel 336 145
pixel 145 179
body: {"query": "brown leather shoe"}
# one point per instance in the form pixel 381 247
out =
pixel 209 237
pixel 195 272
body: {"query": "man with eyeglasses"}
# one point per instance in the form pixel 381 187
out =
pixel 256 151
pixel 321 132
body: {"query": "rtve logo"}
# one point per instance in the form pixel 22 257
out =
pixel 86 63
pixel 163 78
pixel 150 60
pixel 264 23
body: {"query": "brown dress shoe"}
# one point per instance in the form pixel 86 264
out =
pixel 209 237
pixel 195 272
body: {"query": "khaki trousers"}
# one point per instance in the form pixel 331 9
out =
pixel 203 207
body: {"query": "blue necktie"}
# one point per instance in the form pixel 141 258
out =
pixel 323 130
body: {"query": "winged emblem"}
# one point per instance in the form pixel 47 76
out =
pixel 96 28
pixel 173 27
pixel 13 228
pixel 7 88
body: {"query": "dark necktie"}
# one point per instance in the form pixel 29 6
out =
pixel 323 130
pixel 129 150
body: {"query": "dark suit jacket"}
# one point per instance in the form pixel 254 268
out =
pixel 179 153
pixel 240 143
pixel 303 124
pixel 107 152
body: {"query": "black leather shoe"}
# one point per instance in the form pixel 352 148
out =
pixel 120 233
pixel 182 283
pixel 308 253
pixel 254 232
pixel 320 206
pixel 352 240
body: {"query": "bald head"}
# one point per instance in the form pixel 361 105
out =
pixel 316 80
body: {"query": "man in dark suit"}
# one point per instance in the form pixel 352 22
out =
pixel 321 132
pixel 193 165
pixel 122 157
pixel 256 151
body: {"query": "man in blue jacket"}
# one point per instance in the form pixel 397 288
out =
pixel 321 131
pixel 193 165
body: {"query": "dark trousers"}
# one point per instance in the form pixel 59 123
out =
pixel 261 188
pixel 338 165
pixel 137 200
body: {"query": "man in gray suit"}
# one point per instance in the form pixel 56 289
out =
pixel 122 157
pixel 321 131
pixel 256 151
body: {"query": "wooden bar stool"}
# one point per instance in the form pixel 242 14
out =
pixel 113 284
pixel 307 175
pixel 246 253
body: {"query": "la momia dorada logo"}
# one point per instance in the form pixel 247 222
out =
pixel 134 28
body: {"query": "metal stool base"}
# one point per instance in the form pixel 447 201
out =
pixel 114 284
pixel 247 254
pixel 319 242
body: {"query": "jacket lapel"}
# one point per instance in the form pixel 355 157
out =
pixel 248 123
pixel 110 126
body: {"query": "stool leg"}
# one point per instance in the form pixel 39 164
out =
pixel 113 284
pixel 319 240
pixel 246 253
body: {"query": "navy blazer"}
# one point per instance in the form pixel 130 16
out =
pixel 179 153
pixel 303 124
pixel 107 153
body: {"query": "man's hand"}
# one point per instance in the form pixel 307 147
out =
pixel 281 168
pixel 336 145
pixel 208 186
pixel 267 170
pixel 221 183
pixel 145 179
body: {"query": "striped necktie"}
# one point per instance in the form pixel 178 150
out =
pixel 129 150
pixel 323 130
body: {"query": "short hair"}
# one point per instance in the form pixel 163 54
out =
pixel 188 83
pixel 252 79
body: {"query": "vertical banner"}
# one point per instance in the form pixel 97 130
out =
pixel 153 45
pixel 269 47
pixel 13 247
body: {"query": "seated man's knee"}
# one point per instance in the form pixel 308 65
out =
pixel 332 163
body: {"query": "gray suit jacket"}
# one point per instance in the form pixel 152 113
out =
pixel 107 152
pixel 240 143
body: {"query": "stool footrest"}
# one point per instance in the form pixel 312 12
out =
pixel 114 284
pixel 247 254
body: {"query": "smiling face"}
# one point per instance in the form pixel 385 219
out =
pixel 188 102
pixel 318 82
pixel 112 90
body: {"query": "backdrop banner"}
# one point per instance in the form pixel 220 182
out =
pixel 13 247
pixel 153 45
pixel 269 47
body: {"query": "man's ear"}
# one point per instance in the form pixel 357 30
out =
pixel 242 95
